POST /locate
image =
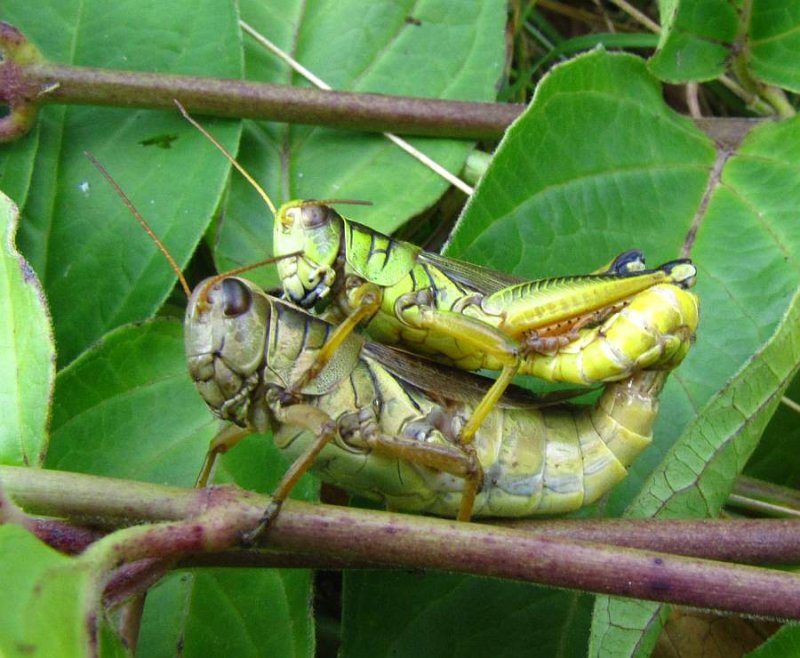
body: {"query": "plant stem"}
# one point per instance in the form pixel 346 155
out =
pixel 765 498
pixel 256 100
pixel 210 520
pixel 28 81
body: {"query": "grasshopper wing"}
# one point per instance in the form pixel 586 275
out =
pixel 476 278
pixel 449 384
pixel 486 281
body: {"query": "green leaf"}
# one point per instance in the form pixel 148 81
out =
pixel 402 614
pixel 229 612
pixel 464 40
pixel 786 642
pixel 596 165
pixel 776 458
pixel 45 601
pixel 99 269
pixel 774 43
pixel 696 39
pixel 98 422
pixel 16 166
pixel 27 352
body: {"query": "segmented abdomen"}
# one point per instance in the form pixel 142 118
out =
pixel 536 461
pixel 556 460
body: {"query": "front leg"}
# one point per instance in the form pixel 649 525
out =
pixel 323 427
pixel 365 302
pixel 226 439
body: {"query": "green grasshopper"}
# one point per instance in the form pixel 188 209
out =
pixel 386 425
pixel 456 313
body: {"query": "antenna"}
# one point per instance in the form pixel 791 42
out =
pixel 162 248
pixel 261 191
pixel 141 221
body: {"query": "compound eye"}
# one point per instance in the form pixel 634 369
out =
pixel 315 216
pixel 236 298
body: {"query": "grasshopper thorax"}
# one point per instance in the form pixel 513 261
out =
pixel 314 230
pixel 224 331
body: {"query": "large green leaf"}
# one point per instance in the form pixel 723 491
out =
pixel 27 352
pixel 429 614
pixel 253 613
pixel 380 47
pixel 97 424
pixel 97 266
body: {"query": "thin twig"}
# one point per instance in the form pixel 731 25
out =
pixel 637 15
pixel 791 404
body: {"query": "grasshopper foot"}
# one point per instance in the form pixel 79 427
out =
pixel 251 537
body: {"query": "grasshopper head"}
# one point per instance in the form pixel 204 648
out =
pixel 224 332
pixel 315 230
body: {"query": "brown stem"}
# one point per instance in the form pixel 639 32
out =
pixel 749 541
pixel 212 519
pixel 764 498
pixel 753 541
pixel 77 85
pixel 27 81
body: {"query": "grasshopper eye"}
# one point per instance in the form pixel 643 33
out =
pixel 288 216
pixel 236 297
pixel 315 216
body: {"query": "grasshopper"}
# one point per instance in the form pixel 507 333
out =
pixel 457 313
pixel 386 425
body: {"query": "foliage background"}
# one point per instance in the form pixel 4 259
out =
pixel 599 163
